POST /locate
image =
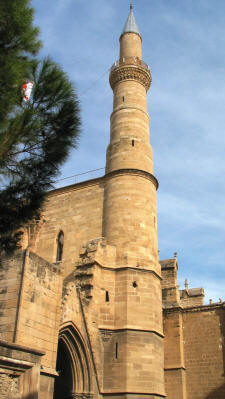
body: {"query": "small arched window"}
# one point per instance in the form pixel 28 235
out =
pixel 60 242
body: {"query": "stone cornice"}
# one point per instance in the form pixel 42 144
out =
pixel 129 329
pixel 130 72
pixel 133 394
pixel 134 172
pixel 121 269
pixel 204 308
pixel 128 107
pixel 76 186
pixel 100 180
pixel 92 262
pixel 174 368
pixel 192 309
pixel 22 348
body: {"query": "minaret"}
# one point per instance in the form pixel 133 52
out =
pixel 129 224
pixel 130 200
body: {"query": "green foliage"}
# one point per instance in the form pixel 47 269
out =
pixel 18 43
pixel 35 137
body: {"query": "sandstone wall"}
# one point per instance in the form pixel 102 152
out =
pixel 77 211
pixel 204 333
pixel 192 297
pixel 19 371
pixel 10 284
pixel 9 385
pixel 195 352
pixel 174 363
pixel 123 322
pixel 30 300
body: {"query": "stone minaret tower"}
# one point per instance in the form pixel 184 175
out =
pixel 129 224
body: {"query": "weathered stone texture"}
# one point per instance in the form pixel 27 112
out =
pixel 204 332
pixel 77 211
pixel 174 362
pixel 10 283
pixel 9 385
pixel 192 297
pixel 107 320
pixel 170 289
pixel 130 46
pixel 35 307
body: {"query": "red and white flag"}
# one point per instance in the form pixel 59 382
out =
pixel 26 90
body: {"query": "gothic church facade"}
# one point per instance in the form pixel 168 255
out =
pixel 87 308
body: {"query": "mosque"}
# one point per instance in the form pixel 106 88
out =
pixel 87 308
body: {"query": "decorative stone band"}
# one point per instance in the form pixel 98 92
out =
pixel 130 72
pixel 80 396
pixel 132 395
pixel 201 308
pixel 129 61
pixel 134 172
pixel 106 334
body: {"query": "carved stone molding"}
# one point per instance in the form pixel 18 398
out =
pixel 106 335
pixel 67 290
pixel 136 172
pixel 81 396
pixel 130 72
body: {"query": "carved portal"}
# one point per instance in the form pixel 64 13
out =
pixel 73 366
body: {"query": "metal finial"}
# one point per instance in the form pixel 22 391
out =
pixel 131 6
pixel 175 255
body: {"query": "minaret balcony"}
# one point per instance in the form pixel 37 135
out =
pixel 130 68
pixel 129 61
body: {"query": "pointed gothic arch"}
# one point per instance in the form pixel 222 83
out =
pixel 73 365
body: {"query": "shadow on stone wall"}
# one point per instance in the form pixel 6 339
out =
pixel 31 396
pixel 220 392
pixel 217 394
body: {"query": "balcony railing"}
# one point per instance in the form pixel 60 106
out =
pixel 129 61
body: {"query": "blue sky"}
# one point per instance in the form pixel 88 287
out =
pixel 184 44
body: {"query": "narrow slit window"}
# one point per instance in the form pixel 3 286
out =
pixel 107 296
pixel 123 99
pixel 60 243
pixel 116 354
pixel 132 143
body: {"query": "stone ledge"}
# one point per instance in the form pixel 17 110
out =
pixel 11 362
pixel 134 394
pixel 174 368
pixel 129 329
pixel 76 186
pixel 140 172
pixel 202 308
pixel 48 371
pixel 22 348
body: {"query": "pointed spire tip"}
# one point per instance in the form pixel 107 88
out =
pixel 130 25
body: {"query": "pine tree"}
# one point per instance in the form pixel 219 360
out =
pixel 18 44
pixel 35 136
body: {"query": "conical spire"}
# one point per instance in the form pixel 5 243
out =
pixel 130 25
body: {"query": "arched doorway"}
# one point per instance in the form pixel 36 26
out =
pixel 72 365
